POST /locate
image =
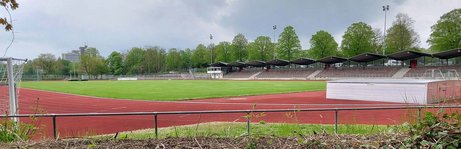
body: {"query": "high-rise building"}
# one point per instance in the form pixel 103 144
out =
pixel 82 49
pixel 73 56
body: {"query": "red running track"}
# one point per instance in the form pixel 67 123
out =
pixel 35 101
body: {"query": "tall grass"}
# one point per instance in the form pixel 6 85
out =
pixel 238 129
pixel 11 131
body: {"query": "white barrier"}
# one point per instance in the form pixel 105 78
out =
pixel 126 79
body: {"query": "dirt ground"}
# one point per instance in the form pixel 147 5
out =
pixel 313 141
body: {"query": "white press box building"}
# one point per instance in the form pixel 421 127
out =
pixel 394 90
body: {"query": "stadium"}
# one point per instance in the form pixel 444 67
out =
pixel 373 89
pixel 329 93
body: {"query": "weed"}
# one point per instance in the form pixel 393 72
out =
pixel 11 131
pixel 440 130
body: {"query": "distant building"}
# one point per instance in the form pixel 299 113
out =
pixel 73 56
pixel 82 49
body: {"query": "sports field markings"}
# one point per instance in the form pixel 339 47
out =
pixel 229 103
pixel 174 90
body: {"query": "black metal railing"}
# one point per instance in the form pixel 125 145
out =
pixel 248 112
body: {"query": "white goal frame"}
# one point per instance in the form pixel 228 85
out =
pixel 13 98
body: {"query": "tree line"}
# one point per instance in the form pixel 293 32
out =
pixel 358 38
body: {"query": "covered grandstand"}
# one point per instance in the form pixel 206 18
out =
pixel 403 64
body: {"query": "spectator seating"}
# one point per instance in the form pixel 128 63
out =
pixel 286 73
pixel 365 72
pixel 426 71
pixel 245 73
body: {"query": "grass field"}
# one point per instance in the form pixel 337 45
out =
pixel 229 129
pixel 167 90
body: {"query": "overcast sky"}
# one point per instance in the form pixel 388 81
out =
pixel 58 26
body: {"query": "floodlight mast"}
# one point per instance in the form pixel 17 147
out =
pixel 385 9
pixel 211 48
pixel 274 28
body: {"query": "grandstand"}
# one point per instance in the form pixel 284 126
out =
pixel 294 73
pixel 411 64
pixel 434 71
pixel 363 72
pixel 244 73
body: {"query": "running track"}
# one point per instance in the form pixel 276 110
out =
pixel 35 101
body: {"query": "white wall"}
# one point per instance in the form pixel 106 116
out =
pixel 387 92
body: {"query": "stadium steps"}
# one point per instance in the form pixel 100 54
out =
pixel 254 75
pixel 401 73
pixel 315 73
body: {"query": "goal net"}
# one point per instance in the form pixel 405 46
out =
pixel 11 70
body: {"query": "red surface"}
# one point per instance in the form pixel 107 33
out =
pixel 34 101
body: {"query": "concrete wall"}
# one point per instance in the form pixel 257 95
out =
pixel 443 90
pixel 386 92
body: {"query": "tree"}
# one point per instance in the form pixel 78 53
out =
pixel 151 60
pixel 133 61
pixel 160 60
pixel 212 50
pixel 357 39
pixel 322 45
pixel 101 66
pixel 186 58
pixel 261 49
pixel 115 63
pixel 378 42
pixel 8 5
pixel 223 52
pixel 289 46
pixel 92 63
pixel 62 67
pixel 239 45
pixel 401 36
pixel 46 63
pixel 200 56
pixel 446 34
pixel 173 59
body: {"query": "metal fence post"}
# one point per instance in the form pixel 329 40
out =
pixel 156 125
pixel 248 123
pixel 419 114
pixel 336 121
pixel 55 132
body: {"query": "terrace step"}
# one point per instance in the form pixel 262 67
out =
pixel 315 73
pixel 401 73
pixel 254 75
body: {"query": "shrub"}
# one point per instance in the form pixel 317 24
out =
pixel 436 131
pixel 11 131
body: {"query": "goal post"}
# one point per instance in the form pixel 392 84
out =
pixel 12 68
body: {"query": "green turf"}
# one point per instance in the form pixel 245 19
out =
pixel 236 129
pixel 174 89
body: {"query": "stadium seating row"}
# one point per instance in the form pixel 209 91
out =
pixel 346 72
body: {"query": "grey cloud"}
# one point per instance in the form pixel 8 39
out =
pixel 256 17
pixel 59 26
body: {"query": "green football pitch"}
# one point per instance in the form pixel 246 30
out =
pixel 174 89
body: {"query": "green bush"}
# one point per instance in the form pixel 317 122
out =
pixel 11 131
pixel 436 131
